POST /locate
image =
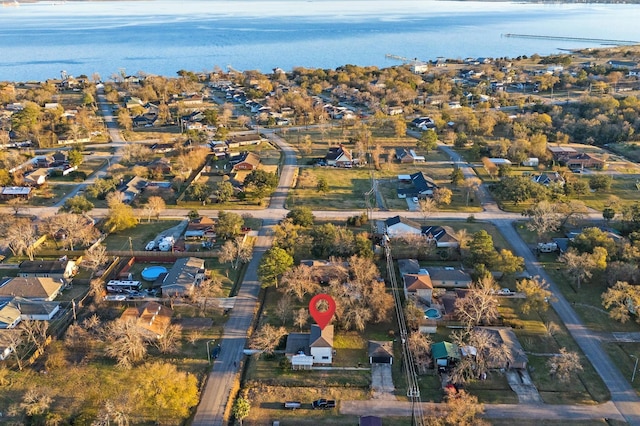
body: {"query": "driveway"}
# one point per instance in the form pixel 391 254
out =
pixel 523 386
pixel 382 382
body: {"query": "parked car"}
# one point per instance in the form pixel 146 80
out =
pixel 505 292
pixel 319 403
pixel 330 404
pixel 150 246
pixel 292 405
pixel 415 199
pixel 215 353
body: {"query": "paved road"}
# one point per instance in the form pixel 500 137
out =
pixel 388 408
pixel 219 383
pixel 623 395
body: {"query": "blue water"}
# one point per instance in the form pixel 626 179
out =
pixel 39 40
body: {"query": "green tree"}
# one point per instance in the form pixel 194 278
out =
pixel 229 224
pixel 241 409
pixel 199 191
pixel 592 237
pixel 363 246
pixel 323 185
pixel 78 205
pixel 224 191
pixel 518 189
pixel 428 141
pixel 100 188
pixel 302 216
pixel 261 183
pixel 536 292
pixel 608 214
pixel 120 217
pixel 457 177
pixel 75 158
pixel 508 263
pixel 622 299
pixel 482 250
pixel 600 183
pixel 161 390
pixel 274 263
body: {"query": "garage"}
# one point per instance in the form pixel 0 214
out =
pixel 380 352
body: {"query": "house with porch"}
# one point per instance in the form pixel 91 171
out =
pixel 339 157
pixel 307 349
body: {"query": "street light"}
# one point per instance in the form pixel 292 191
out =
pixel 208 351
pixel 635 367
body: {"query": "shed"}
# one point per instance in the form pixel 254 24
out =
pixel 444 353
pixel 380 352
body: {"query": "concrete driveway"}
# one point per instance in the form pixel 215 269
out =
pixel 382 382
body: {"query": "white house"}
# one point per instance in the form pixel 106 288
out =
pixel 307 349
pixel 398 226
pixel 531 162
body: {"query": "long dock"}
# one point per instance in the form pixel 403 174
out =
pixel 563 38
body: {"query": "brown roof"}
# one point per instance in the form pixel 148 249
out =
pixel 321 338
pixel 415 282
pixel 152 317
pixel 31 287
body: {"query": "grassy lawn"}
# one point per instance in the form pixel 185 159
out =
pixel 139 236
pixel 622 187
pixel 49 194
pixel 267 404
pixel 346 189
pixel 621 355
pixel 532 331
pixel 494 390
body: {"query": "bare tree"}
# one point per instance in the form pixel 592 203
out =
pixel 95 257
pixel 427 207
pixel 154 206
pixel 564 364
pixel 543 218
pixel 283 308
pixel 169 342
pixel 420 346
pixel 483 354
pixel 112 414
pixel 299 281
pixel 580 266
pixel 125 342
pixel 460 409
pixel 479 305
pixel 301 318
pixel 20 236
pixel 35 332
pixel 267 338
pixel 35 403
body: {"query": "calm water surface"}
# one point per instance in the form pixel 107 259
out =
pixel 39 40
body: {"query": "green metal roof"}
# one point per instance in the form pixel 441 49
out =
pixel 442 350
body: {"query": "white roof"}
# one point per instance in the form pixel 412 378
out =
pixel 16 190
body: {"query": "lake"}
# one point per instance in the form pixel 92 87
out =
pixel 39 40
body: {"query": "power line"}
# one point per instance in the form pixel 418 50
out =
pixel 413 388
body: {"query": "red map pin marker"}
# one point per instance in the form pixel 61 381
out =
pixel 322 318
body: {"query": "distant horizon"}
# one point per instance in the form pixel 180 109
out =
pixel 85 37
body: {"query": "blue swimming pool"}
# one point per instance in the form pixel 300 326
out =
pixel 432 313
pixel 153 272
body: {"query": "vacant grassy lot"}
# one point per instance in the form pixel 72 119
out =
pixel 138 236
pixel 542 334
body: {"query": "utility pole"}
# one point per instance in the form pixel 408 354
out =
pixel 635 367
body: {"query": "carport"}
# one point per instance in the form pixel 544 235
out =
pixel 380 352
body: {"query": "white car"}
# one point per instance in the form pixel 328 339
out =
pixel 505 292
pixel 150 246
pixel 415 199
